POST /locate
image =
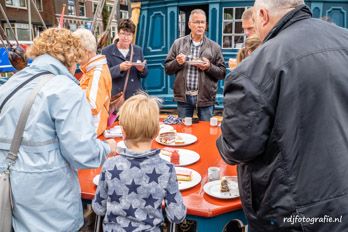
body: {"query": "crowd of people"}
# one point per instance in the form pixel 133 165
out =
pixel 284 123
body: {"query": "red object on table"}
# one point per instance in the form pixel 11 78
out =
pixel 197 202
pixel 175 158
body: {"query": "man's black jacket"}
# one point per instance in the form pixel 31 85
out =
pixel 286 126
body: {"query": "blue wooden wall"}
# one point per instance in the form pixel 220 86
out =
pixel 158 29
pixel 336 11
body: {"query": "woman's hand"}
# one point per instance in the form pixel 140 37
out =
pixel 140 67
pixel 124 66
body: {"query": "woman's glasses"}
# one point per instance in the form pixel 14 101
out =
pixel 124 34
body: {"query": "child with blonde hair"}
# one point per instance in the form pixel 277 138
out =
pixel 133 185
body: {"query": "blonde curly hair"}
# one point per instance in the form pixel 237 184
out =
pixel 59 43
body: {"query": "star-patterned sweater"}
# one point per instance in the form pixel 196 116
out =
pixel 131 190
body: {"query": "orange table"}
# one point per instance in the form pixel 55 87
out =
pixel 197 202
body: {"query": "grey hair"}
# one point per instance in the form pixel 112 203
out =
pixel 197 11
pixel 279 4
pixel 87 39
pixel 247 14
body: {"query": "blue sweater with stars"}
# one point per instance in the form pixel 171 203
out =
pixel 131 190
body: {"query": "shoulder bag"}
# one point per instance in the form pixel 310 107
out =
pixel 118 99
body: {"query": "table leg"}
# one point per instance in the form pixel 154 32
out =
pixel 172 227
pixel 97 223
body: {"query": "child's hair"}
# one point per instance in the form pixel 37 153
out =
pixel 139 117
pixel 251 43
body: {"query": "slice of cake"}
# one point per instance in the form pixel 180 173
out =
pixel 179 139
pixel 167 136
pixel 172 153
pixel 183 175
pixel 224 186
pixel 167 151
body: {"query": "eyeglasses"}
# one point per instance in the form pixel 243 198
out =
pixel 123 34
pixel 199 22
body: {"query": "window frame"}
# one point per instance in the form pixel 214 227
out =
pixel 123 12
pixel 14 6
pixel 71 6
pixel 109 7
pixel 41 6
pixel 124 2
pixel 15 27
pixel 182 23
pixel 113 31
pixel 233 34
pixel 84 9
pixel 94 6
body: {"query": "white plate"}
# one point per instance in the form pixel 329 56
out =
pixel 213 189
pixel 113 132
pixel 121 144
pixel 188 139
pixel 196 179
pixel 96 179
pixel 138 64
pixel 165 127
pixel 192 62
pixel 187 157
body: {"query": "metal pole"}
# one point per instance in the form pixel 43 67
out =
pixel 29 21
pixel 97 15
pixel 8 23
pixel 97 224
pixel 3 36
pixel 38 12
pixel 5 46
pixel 115 8
pixel 129 9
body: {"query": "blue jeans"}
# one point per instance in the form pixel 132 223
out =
pixel 186 109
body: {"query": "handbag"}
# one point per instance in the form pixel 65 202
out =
pixel 6 203
pixel 117 100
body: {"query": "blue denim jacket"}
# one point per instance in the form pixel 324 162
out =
pixel 131 190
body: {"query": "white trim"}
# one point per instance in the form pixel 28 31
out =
pixel 233 21
pixel 6 66
pixel 17 7
pixel 84 9
pixel 73 17
pixel 96 120
pixel 19 41
pixel 94 88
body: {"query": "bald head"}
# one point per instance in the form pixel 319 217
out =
pixel 267 13
pixel 278 4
